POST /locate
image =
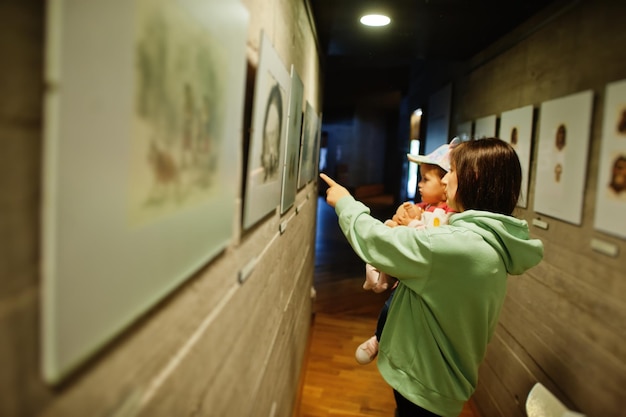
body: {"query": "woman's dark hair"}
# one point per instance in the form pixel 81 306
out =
pixel 489 175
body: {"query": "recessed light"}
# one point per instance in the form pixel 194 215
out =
pixel 375 20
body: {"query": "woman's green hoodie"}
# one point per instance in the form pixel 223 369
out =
pixel 445 309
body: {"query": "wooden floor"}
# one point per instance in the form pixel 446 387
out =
pixel 334 384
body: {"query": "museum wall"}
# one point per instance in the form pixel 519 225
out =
pixel 230 339
pixel 563 322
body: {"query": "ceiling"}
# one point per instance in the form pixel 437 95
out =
pixel 358 61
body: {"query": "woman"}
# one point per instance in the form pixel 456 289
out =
pixel 452 279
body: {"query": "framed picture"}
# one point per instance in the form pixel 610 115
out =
pixel 141 134
pixel 516 127
pixel 292 145
pixel 611 189
pixel 269 131
pixel 564 128
pixel 485 127
pixel 307 151
pixel 318 143
pixel 464 130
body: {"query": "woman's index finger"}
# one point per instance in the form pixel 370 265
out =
pixel 327 179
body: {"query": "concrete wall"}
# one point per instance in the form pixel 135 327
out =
pixel 563 323
pixel 214 347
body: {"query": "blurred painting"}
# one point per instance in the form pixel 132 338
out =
pixel 464 130
pixel 485 127
pixel 611 188
pixel 307 152
pixel 516 127
pixel 142 133
pixel 179 112
pixel 318 144
pixel 564 129
pixel 292 146
pixel 269 132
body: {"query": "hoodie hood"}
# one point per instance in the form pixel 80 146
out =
pixel 507 234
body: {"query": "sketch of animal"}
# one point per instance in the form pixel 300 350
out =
pixel 165 175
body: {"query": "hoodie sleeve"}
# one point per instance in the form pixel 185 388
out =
pixel 402 252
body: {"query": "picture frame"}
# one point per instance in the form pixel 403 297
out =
pixel 563 145
pixel 464 130
pixel 124 223
pixel 611 186
pixel 485 127
pixel 292 144
pixel 516 127
pixel 318 143
pixel 269 132
pixel 307 151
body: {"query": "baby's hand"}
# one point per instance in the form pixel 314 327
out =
pixel 413 211
pixel 406 213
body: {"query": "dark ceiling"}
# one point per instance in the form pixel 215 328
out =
pixel 359 60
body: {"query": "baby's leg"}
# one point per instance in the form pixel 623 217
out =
pixel 371 277
pixel 368 350
pixel 384 282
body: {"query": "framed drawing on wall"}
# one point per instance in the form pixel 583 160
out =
pixel 269 132
pixel 516 127
pixel 563 143
pixel 318 143
pixel 307 151
pixel 485 127
pixel 611 189
pixel 292 144
pixel 464 130
pixel 141 134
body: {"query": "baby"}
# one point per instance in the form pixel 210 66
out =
pixel 410 215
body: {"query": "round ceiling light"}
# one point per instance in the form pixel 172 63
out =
pixel 375 20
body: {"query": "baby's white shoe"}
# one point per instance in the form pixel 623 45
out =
pixel 367 351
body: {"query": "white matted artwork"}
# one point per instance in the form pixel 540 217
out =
pixel 318 143
pixel 307 150
pixel 141 133
pixel 563 144
pixel 292 144
pixel 611 189
pixel 464 130
pixel 485 127
pixel 269 132
pixel 516 127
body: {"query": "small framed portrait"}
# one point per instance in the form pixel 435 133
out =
pixel 308 157
pixel 464 130
pixel 565 125
pixel 485 127
pixel 269 132
pixel 292 145
pixel 516 126
pixel 611 187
